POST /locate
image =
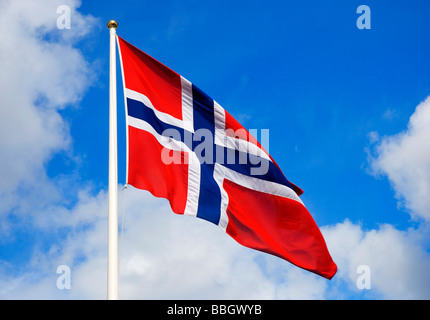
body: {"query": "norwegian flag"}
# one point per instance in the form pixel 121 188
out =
pixel 185 147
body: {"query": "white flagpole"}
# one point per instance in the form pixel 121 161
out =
pixel 113 269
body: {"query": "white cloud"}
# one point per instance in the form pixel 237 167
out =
pixel 397 260
pixel 42 72
pixel 405 159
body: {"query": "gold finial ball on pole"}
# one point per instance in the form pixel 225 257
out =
pixel 112 24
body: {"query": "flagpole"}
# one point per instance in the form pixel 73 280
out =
pixel 113 269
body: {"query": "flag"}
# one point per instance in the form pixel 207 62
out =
pixel 183 146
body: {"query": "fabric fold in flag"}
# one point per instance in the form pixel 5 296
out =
pixel 183 146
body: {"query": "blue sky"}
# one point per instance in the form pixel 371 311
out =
pixel 348 120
